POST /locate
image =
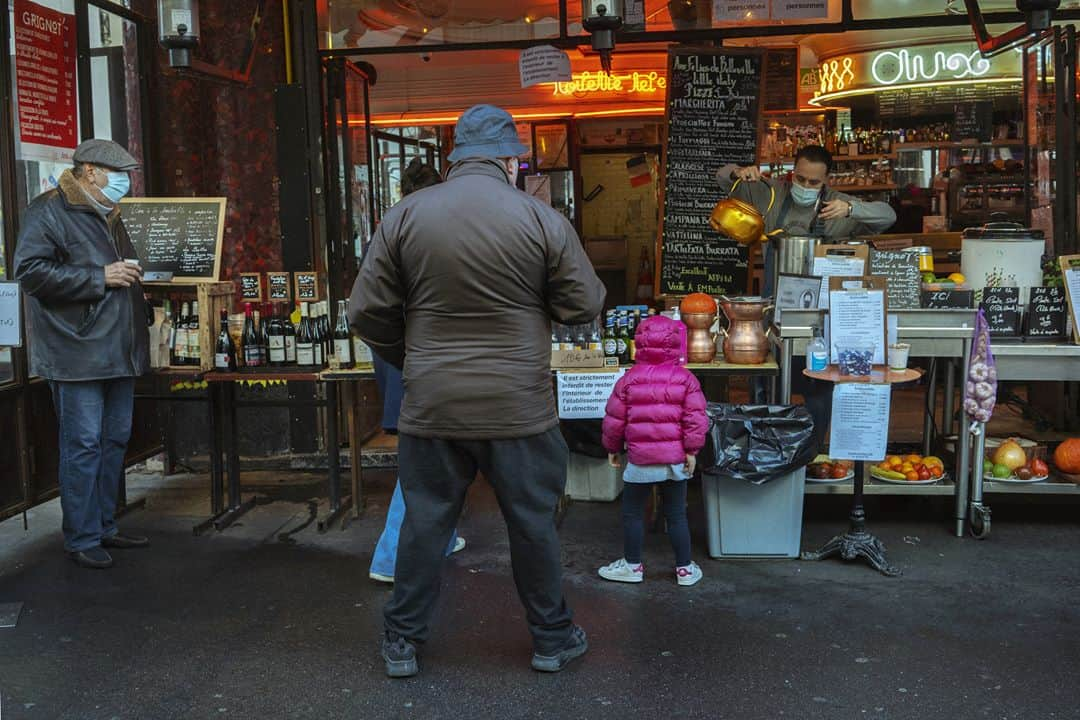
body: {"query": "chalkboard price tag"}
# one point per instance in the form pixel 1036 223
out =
pixel 278 286
pixel 1047 313
pixel 307 286
pixel 251 287
pixel 901 269
pixel 1002 308
pixel 948 299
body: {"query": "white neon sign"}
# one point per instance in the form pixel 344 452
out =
pixel 901 66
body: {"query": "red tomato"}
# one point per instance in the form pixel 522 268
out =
pixel 924 474
pixel 838 472
pixel 1039 468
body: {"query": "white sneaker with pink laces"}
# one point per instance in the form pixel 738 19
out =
pixel 689 574
pixel 622 571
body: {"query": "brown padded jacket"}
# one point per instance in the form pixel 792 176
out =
pixel 458 287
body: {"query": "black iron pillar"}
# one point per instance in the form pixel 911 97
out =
pixel 857 542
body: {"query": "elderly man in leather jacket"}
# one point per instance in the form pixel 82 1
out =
pixel 88 337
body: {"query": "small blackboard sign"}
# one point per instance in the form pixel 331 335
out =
pixel 713 118
pixel 948 299
pixel 251 287
pixel 1002 308
pixel 1047 313
pixel 781 87
pixel 307 286
pixel 177 235
pixel 974 121
pixel 278 286
pixel 901 269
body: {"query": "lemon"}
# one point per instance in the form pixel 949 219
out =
pixel 957 278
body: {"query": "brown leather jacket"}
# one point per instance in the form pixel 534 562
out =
pixel 459 287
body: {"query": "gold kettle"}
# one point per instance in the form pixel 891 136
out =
pixel 739 220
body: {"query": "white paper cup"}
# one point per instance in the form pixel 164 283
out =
pixel 132 261
pixel 898 356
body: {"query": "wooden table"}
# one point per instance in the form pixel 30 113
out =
pixel 857 541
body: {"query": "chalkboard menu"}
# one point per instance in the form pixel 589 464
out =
pixel 901 269
pixel 712 120
pixel 251 287
pixel 1001 305
pixel 177 235
pixel 781 87
pixel 307 286
pixel 942 99
pixel 1047 313
pixel 974 121
pixel 278 286
pixel 948 298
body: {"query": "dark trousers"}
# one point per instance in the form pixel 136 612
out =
pixel 94 420
pixel 529 476
pixel 635 495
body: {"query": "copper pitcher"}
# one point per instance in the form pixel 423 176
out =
pixel 700 341
pixel 738 220
pixel 745 341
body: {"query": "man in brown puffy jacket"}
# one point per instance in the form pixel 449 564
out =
pixel 459 288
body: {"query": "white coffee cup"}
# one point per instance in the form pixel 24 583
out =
pixel 898 356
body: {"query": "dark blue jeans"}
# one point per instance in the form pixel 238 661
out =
pixel 635 495
pixel 95 424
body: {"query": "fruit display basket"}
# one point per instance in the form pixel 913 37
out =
pixel 1015 460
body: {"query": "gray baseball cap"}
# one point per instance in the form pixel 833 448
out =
pixel 105 153
pixel 486 131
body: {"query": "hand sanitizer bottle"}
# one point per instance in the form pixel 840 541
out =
pixel 817 355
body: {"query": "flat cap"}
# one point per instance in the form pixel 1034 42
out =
pixel 105 153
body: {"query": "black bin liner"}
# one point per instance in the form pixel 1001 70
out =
pixel 757 443
pixel 584 437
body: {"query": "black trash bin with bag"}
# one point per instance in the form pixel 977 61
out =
pixel 754 468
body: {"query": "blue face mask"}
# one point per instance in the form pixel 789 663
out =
pixel 119 186
pixel 804 196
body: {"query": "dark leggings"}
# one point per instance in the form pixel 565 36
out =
pixel 635 495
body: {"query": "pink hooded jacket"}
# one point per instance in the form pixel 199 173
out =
pixel 657 407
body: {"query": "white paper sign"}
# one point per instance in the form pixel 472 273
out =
pixel 860 421
pixel 10 335
pixel 585 395
pixel 857 320
pixel 799 9
pixel 539 186
pixel 543 64
pixel 795 291
pixel 894 329
pixel 1072 280
pixel 732 10
pixel 829 265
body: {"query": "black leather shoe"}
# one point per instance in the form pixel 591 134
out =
pixel 96 558
pixel 123 542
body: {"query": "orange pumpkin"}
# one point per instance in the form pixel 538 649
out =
pixel 1067 456
pixel 698 304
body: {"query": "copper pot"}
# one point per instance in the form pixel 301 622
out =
pixel 738 220
pixel 745 341
pixel 700 340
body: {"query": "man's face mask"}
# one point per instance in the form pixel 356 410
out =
pixel 118 186
pixel 804 196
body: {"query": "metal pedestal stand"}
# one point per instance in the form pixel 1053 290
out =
pixel 857 542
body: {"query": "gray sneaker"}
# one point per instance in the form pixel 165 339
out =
pixel 574 648
pixel 399 655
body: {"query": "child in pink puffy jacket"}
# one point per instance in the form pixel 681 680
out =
pixel 658 411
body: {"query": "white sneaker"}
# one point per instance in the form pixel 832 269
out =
pixel 689 574
pixel 622 571
pixel 381 578
pixel 459 545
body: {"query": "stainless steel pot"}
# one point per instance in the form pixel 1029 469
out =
pixel 794 255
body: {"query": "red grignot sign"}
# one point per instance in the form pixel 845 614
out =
pixel 45 48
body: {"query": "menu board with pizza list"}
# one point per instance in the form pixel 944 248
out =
pixel 712 120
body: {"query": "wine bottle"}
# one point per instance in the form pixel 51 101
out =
pixel 342 338
pixel 305 343
pixel 225 352
pixel 194 346
pixel 315 332
pixel 327 332
pixel 290 339
pixel 180 341
pixel 250 339
pixel 169 331
pixel 276 334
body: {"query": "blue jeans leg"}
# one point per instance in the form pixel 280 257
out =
pixel 94 420
pixel 384 559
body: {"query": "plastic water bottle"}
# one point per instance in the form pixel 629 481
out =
pixel 817 355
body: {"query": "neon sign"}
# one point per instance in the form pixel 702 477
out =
pixel 592 83
pixel 892 67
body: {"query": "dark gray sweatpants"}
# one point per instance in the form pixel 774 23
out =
pixel 529 476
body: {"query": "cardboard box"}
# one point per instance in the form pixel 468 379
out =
pixel 607 253
pixel 577 359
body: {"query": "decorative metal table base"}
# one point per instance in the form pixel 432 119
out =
pixel 857 542
pixel 854 544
